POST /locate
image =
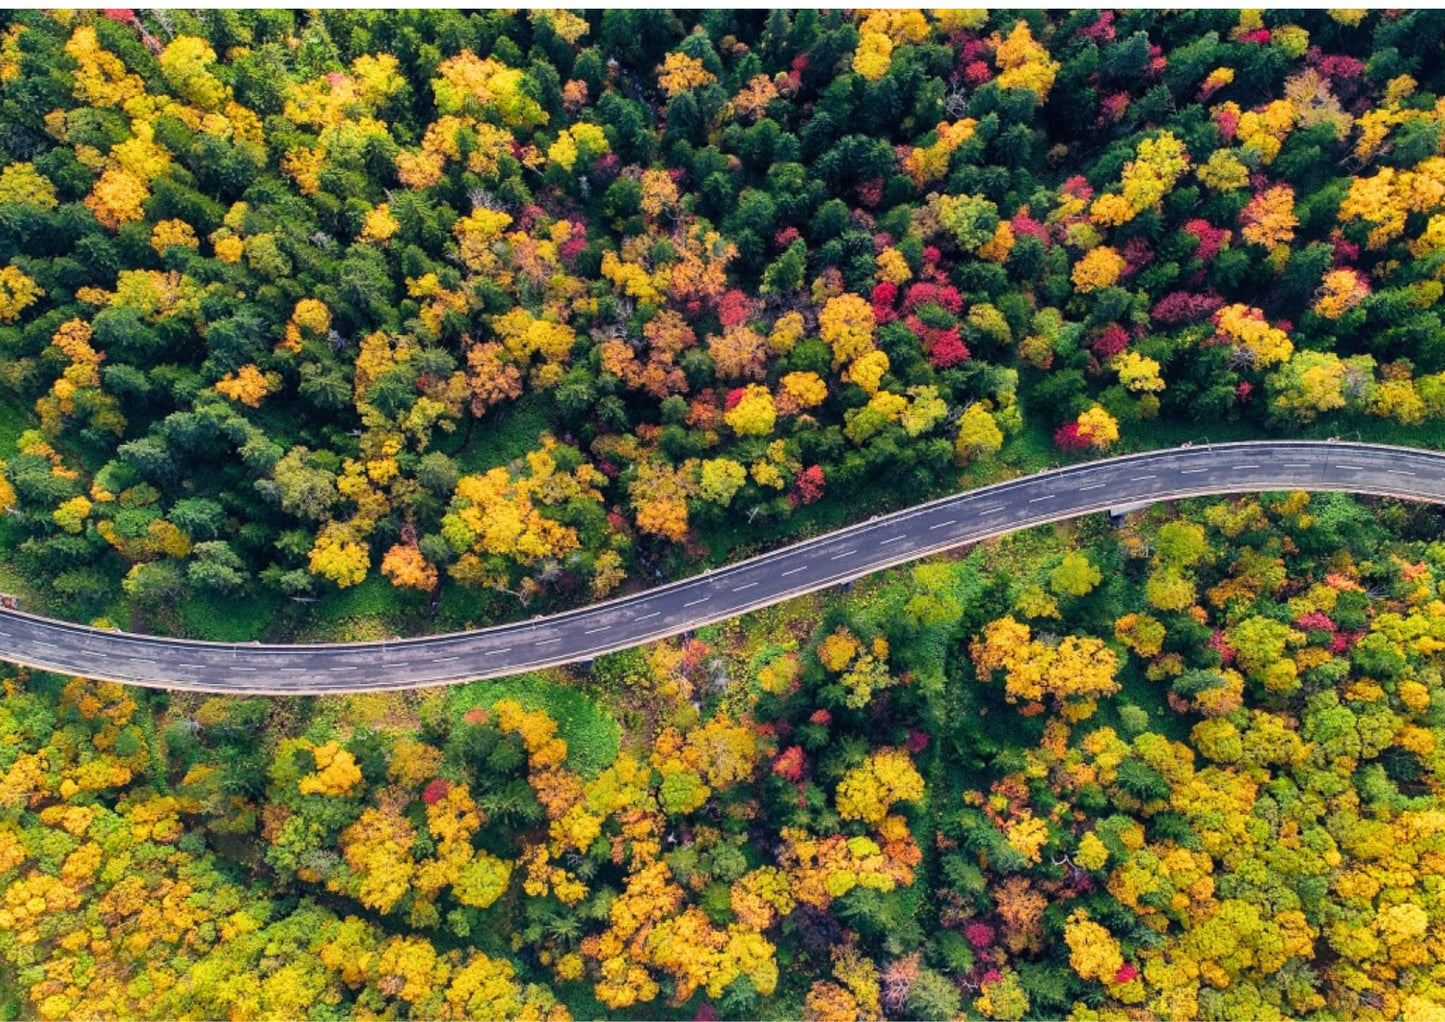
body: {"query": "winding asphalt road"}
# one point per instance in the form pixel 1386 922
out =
pixel 881 542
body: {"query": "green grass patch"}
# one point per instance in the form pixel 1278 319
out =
pixel 225 619
pixel 506 434
pixel 593 738
pixel 10 580
pixel 1150 696
pixel 466 607
pixel 374 609
pixel 15 418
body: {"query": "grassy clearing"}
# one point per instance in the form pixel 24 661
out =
pixel 593 737
pixel 15 418
pixel 375 609
pixel 731 540
pixel 464 608
pixel 10 582
pixel 506 434
pixel 223 619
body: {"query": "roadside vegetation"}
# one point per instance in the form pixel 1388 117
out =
pixel 379 322
pixel 1186 768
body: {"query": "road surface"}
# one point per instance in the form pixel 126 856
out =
pixel 241 668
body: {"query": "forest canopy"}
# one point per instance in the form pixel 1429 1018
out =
pixel 1190 768
pixel 335 324
pixel 515 309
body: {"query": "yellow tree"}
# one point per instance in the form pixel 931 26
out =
pixel 679 73
pixel 1093 951
pixel 17 293
pixel 408 568
pixel 339 556
pixel 248 385
pixel 754 413
pixel 1100 267
pixel 1074 671
pixel 1269 218
pixel 720 479
pixel 868 792
pixel 1075 575
pixel 847 324
pixel 336 772
pixel 1098 427
pixel 1023 63
pixel 978 433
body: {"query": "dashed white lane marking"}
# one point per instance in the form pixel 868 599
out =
pixel 1047 496
pixel 497 652
pixel 794 571
pixel 694 603
pixel 444 659
pixel 942 525
pixel 644 617
pixel 341 670
pixel 594 631
pixel 845 553
pixel 1400 472
pixel 890 539
pixel 47 645
pixel 1093 486
pixel 1137 479
pixel 1244 468
pixel 1350 468
pixel 239 668
pixel 1297 464
pixel 548 642
pixel 748 585
pixel 990 511
pixel 1191 471
pixel 138 660
pixel 294 670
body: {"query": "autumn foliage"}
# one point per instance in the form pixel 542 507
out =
pixel 344 324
